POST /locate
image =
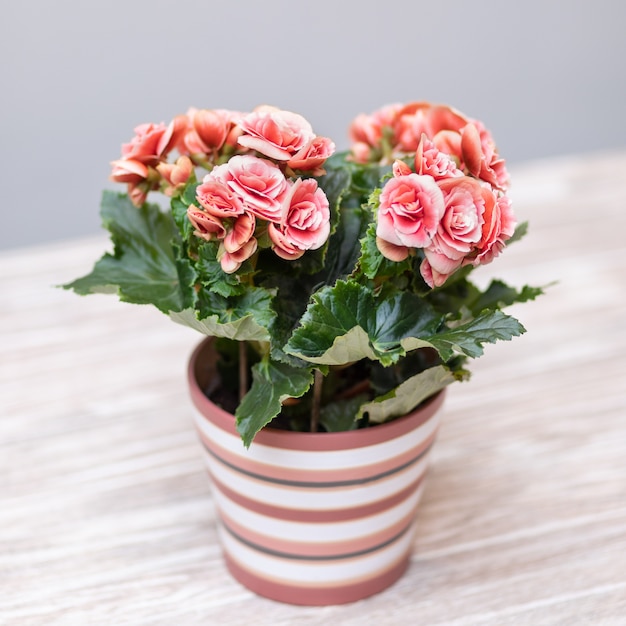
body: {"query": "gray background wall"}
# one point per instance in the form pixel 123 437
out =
pixel 546 76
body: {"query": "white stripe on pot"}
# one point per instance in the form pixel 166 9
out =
pixel 318 460
pixel 318 532
pixel 332 571
pixel 315 498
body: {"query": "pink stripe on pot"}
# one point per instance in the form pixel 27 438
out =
pixel 312 515
pixel 259 469
pixel 319 588
pixel 277 546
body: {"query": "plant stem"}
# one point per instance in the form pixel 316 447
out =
pixel 317 400
pixel 243 369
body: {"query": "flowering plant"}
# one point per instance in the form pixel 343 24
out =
pixel 339 281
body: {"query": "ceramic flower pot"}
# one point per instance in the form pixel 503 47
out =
pixel 314 518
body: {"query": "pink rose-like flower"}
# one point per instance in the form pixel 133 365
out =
pixel 306 223
pixel 128 171
pixel 153 141
pixel 411 206
pixel 368 129
pixel 366 132
pixel 231 261
pixel 240 233
pixel 206 226
pixel 175 174
pixel 258 183
pixel 275 133
pixel 418 118
pixel 429 160
pixel 460 228
pixel 138 194
pixel 481 159
pixel 144 145
pixel 239 244
pixel 206 131
pixel 499 226
pixel 218 199
pixel 312 155
pixel 138 177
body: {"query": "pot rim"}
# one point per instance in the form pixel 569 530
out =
pixel 275 437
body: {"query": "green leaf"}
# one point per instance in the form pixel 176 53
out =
pixel 374 264
pixel 468 338
pixel 272 383
pixel 499 295
pixel 347 322
pixel 245 317
pixel 407 395
pixel 335 183
pixel 243 329
pixel 211 274
pixel 341 415
pixel 142 268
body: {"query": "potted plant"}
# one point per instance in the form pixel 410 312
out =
pixel 335 293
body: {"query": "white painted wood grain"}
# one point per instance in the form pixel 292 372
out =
pixel 105 512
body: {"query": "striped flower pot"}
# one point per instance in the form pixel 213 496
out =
pixel 314 518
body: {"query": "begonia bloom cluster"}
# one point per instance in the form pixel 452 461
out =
pixel 447 197
pixel 260 181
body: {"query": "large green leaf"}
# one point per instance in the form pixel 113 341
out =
pixel 211 274
pixel 272 383
pixel 499 294
pixel 245 317
pixel 408 395
pixel 243 329
pixel 142 268
pixel 347 322
pixel 468 338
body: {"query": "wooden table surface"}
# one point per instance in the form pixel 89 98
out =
pixel 105 512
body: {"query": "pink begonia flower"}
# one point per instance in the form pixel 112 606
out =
pixel 306 221
pixel 258 183
pixel 275 133
pixel 240 233
pixel 206 226
pixel 138 193
pixel 144 145
pixel 400 168
pixel 172 135
pixel 480 157
pixel 218 199
pixel 460 229
pixel 128 171
pixel 231 261
pixel 499 226
pixel 366 131
pixel 391 251
pixel 205 132
pixel 361 152
pixel 178 173
pixel 153 141
pixel 410 209
pixel 429 160
pixel 312 155
pixel 443 125
pixel 234 132
pixel 135 174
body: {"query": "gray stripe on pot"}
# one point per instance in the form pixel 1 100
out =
pixel 311 557
pixel 317 485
